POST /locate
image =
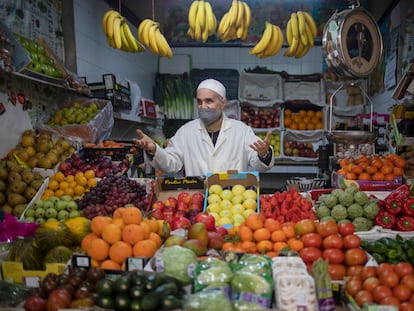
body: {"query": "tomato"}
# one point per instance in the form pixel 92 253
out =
pixel 403 268
pixel 333 255
pixel 402 292
pixel 370 283
pixel 333 241
pixel 310 254
pixel 409 281
pixel 58 299
pixel 380 292
pixel 336 271
pixel 406 306
pixel 355 256
pixel 35 303
pixel 353 285
pixel 354 270
pixel 363 296
pixel 352 241
pixel 390 301
pixel 311 240
pixel 368 271
pixel 305 226
pixel 389 279
pixel 326 228
pixel 384 267
pixel 346 228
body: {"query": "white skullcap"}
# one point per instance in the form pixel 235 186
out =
pixel 213 85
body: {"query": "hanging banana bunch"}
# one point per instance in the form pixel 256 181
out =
pixel 118 34
pixel 301 31
pixel 270 43
pixel 202 21
pixel 150 35
pixel 235 23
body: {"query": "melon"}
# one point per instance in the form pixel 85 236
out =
pixel 24 250
pixel 58 254
pixel 79 226
pixel 53 233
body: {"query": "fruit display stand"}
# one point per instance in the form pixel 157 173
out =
pixel 302 145
pixel 95 129
pixel 261 90
pixel 304 87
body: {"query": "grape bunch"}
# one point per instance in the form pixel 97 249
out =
pixel 113 192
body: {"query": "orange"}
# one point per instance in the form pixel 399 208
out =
pixel 264 246
pixel 152 222
pixel 377 163
pixel 98 222
pixel 271 224
pixel 295 244
pixel 153 236
pixel 72 184
pixel 293 126
pixel 389 177
pixel 98 249
pixel 85 243
pixel 271 254
pixel 89 174
pixel 319 114
pixel 278 246
pixel 302 126
pixel 289 229
pixel 398 171
pixel 63 185
pixel 287 112
pixel 386 169
pixel 364 176
pixel 70 178
pixel 288 121
pixel 261 234
pixel 249 247
pixel 145 248
pixel 302 112
pixel 306 119
pixel 118 212
pixel 245 233
pixel 350 176
pixel 70 192
pixel 49 192
pixel 59 176
pixel 133 233
pixel 371 169
pixel 119 251
pixel 132 215
pixel 378 176
pixel 278 236
pixel 60 193
pixel 310 113
pixel 111 233
pixel 310 127
pixel 79 190
pixel 254 221
pixel 361 158
pixel 110 264
pixel 356 169
pixel 95 263
pixel 399 161
pixel 92 182
pixel 53 184
pixel 344 162
pixel 82 181
pixel 78 175
pixel 119 222
pixel 147 229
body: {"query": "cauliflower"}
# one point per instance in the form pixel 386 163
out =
pixel 346 199
pixel 355 210
pixel 371 210
pixel 322 211
pixel 361 198
pixel 362 224
pixel 329 200
pixel 339 212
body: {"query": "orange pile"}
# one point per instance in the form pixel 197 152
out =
pixel 126 234
pixel 303 120
pixel 375 167
pixel 73 185
pixel 259 235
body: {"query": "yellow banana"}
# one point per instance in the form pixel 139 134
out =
pixel 125 44
pixel 264 40
pixel 240 30
pixel 303 52
pixel 211 21
pixel 302 28
pixel 204 34
pixel 190 32
pixel 105 19
pixel 289 35
pixel 143 31
pixel 311 23
pixel 279 35
pixel 201 16
pixel 247 14
pixel 299 49
pixel 311 39
pixel 223 25
pixel 233 12
pixel 192 13
pixel 293 47
pixel 152 34
pixel 133 44
pixel 295 26
pixel 198 32
pixel 110 23
pixel 117 32
pixel 110 41
pixel 162 44
pixel 271 45
pixel 240 16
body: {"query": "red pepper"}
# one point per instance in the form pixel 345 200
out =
pixel 408 208
pixel 405 223
pixel 394 202
pixel 385 219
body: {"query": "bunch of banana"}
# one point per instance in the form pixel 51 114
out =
pixel 118 34
pixel 150 35
pixel 235 23
pixel 301 31
pixel 270 43
pixel 202 21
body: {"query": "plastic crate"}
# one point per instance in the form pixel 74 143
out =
pixel 229 78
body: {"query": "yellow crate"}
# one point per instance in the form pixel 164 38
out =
pixel 14 271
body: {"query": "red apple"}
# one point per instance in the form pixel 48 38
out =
pixel 158 205
pixel 184 196
pixel 207 219
pixel 171 202
pixel 215 240
pixel 222 231
pixel 180 222
pixel 157 214
pixel 182 206
pixel 180 213
pixel 197 197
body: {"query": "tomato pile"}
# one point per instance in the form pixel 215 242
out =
pixel 386 284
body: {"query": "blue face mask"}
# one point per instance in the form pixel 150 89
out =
pixel 208 116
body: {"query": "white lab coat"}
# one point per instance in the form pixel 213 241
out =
pixel 192 147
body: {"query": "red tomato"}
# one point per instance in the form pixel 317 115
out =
pixel 354 270
pixel 353 285
pixel 406 306
pixel 403 268
pixel 58 299
pixel 333 255
pixel 346 228
pixel 368 271
pixel 326 228
pixel 310 254
pixel 385 267
pixel 408 280
pixel 304 226
pixel 402 292
pixel 336 271
pixel 363 296
pixel 390 301
pixel 355 256
pixel 389 279
pixel 370 283
pixel 380 292
pixel 311 240
pixel 333 241
pixel 352 241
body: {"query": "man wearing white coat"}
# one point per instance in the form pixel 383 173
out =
pixel 211 143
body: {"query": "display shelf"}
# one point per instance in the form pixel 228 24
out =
pixel 132 118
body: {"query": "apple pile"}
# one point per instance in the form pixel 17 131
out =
pixel 54 208
pixel 101 165
pixel 274 142
pixel 299 149
pixel 260 117
pixel 231 206
pixel 74 114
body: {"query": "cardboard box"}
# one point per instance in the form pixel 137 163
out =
pixel 339 181
pixel 165 187
pixel 250 180
pixel 14 271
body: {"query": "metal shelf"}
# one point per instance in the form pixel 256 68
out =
pixel 132 118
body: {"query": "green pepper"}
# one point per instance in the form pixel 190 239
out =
pixel 379 258
pixel 380 247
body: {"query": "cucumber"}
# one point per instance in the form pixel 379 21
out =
pixel 171 302
pixel 152 300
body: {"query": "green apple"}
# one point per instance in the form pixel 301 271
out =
pixel 51 213
pixel 238 189
pixel 40 212
pixel 72 206
pixel 250 194
pixel 216 188
pixel 225 204
pixel 237 219
pixel 66 198
pixel 63 215
pixel 213 198
pixel 237 199
pixel 74 214
pixel 213 207
pixel 226 213
pixel 29 213
pixel 226 194
pixel 237 209
pixel 250 204
pixel 54 199
pixel 61 205
pixel 38 203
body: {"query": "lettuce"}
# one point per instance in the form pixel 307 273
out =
pixel 178 262
pixel 251 283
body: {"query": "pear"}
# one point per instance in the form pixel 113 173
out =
pixel 7 208
pixel 14 177
pixel 3 185
pixel 36 184
pixel 18 186
pixel 32 161
pixel 29 193
pixel 27 176
pixel 28 141
pixel 45 163
pixel 3 173
pixel 13 166
pixel 15 199
pixel 19 209
pixel 2 198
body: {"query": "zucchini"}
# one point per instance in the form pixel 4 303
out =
pixel 171 302
pixel 152 300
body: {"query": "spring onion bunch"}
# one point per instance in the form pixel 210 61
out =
pixel 178 96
